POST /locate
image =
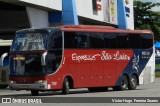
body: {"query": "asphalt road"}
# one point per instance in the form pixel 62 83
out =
pixel 147 90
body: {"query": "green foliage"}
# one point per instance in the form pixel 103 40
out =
pixel 157 66
pixel 157 74
pixel 147 19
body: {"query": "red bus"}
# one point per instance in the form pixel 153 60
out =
pixel 81 56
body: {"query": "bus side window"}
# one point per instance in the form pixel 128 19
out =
pixel 96 40
pixel 70 40
pixel 122 41
pixel 54 55
pixel 134 41
pixel 146 41
pixel 55 40
pixel 82 40
pixel 110 40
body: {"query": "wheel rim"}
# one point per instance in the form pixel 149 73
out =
pixel 67 86
pixel 133 82
pixel 124 83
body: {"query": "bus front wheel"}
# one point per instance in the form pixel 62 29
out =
pixel 132 83
pixel 65 89
pixel 34 92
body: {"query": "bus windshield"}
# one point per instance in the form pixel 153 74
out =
pixel 46 63
pixel 30 41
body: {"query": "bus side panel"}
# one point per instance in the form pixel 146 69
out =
pixel 83 75
pixel 110 71
pixel 148 73
pixel 96 74
pixel 142 63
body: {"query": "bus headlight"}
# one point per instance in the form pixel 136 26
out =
pixel 12 82
pixel 40 81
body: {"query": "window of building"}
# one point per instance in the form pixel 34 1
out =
pixel 94 4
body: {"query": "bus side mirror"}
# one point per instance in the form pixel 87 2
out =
pixel 43 58
pixel 2 58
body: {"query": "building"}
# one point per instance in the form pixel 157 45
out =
pixel 19 14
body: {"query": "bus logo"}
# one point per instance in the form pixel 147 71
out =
pixel 135 62
pixel 103 56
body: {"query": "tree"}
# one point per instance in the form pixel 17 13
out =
pixel 145 18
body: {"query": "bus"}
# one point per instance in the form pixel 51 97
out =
pixel 81 56
pixel 4 62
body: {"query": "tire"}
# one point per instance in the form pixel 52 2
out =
pixel 132 83
pixel 123 84
pixel 34 92
pixel 66 86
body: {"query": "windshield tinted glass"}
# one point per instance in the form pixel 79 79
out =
pixel 28 64
pixel 30 41
pixel 35 63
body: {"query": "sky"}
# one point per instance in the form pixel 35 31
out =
pixel 154 1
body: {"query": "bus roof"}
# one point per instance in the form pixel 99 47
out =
pixel 86 28
pixel 96 28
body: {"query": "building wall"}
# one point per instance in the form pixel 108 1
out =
pixel 129 14
pixel 37 18
pixel 52 4
pixel 84 8
pixel 107 13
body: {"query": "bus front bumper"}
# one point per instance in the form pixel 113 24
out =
pixel 34 86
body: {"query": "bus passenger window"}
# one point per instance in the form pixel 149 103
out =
pixel 55 40
pixel 96 40
pixel 110 40
pixel 70 40
pixel 146 41
pixel 82 40
pixel 134 41
pixel 54 55
pixel 122 41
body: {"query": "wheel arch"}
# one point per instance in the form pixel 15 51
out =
pixel 70 79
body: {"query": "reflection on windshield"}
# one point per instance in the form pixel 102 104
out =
pixel 30 41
